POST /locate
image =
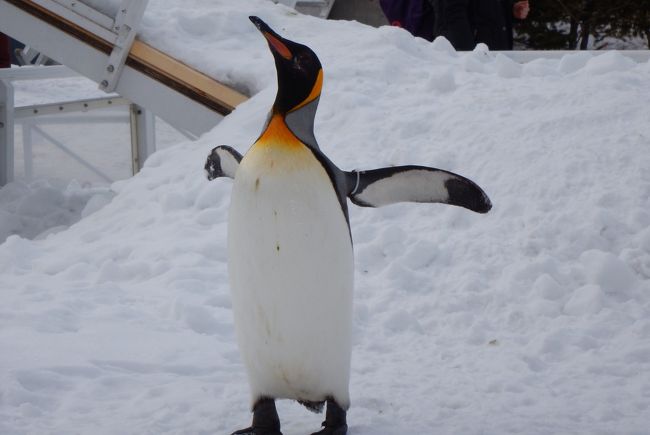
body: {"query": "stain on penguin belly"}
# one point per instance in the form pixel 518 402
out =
pixel 291 273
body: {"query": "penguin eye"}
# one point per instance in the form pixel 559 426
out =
pixel 299 62
pixel 302 59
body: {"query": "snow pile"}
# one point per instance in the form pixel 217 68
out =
pixel 534 318
pixel 97 149
pixel 36 209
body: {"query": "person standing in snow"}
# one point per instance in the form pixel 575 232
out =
pixel 5 51
pixel 416 16
pixel 466 23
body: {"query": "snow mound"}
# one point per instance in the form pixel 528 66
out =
pixel 34 210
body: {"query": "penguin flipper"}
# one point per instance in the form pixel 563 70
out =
pixel 378 187
pixel 222 162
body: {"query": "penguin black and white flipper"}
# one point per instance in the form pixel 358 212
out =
pixel 223 161
pixel 379 187
pixel 383 186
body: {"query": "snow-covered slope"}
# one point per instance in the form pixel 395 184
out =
pixel 534 318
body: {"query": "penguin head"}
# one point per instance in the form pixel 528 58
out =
pixel 300 75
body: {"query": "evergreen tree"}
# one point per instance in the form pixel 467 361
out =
pixel 569 24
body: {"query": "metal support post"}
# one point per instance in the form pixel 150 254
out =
pixel 127 22
pixel 143 136
pixel 6 132
pixel 28 151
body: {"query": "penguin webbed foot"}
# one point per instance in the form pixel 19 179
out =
pixel 265 419
pixel 256 431
pixel 335 420
pixel 327 430
pixel 222 162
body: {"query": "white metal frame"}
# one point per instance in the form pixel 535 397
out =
pixel 143 135
pixel 178 110
pixel 8 110
pixel 83 16
pixel 59 145
pixel 127 23
pixel 37 73
pixel 68 107
pixel 6 132
pixel 86 11
pixel 317 8
pixel 29 56
pixel 143 141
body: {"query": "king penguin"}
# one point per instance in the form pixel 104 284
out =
pixel 290 258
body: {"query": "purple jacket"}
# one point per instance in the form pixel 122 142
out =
pixel 416 16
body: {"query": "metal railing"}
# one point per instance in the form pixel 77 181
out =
pixel 141 121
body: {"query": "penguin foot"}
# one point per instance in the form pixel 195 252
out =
pixel 335 420
pixel 265 419
pixel 328 430
pixel 257 431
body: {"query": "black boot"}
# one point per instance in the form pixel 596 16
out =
pixel 335 422
pixel 265 420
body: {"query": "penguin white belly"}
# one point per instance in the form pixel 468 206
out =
pixel 291 273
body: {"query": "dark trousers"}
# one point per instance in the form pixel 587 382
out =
pixel 5 51
pixel 467 22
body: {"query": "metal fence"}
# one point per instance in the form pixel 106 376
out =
pixel 39 122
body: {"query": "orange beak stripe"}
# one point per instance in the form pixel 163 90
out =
pixel 278 46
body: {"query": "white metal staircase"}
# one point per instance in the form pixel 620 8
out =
pixel 105 50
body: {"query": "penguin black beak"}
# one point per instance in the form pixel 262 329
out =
pixel 276 42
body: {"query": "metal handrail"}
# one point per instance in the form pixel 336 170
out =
pixel 142 130
pixel 37 73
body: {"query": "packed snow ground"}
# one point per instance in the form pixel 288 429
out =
pixel 534 318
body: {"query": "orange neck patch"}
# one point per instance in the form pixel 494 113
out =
pixel 277 134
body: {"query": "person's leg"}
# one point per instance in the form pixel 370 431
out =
pixel 5 51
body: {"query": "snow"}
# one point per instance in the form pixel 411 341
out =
pixel 534 318
pixel 36 209
pixel 43 199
